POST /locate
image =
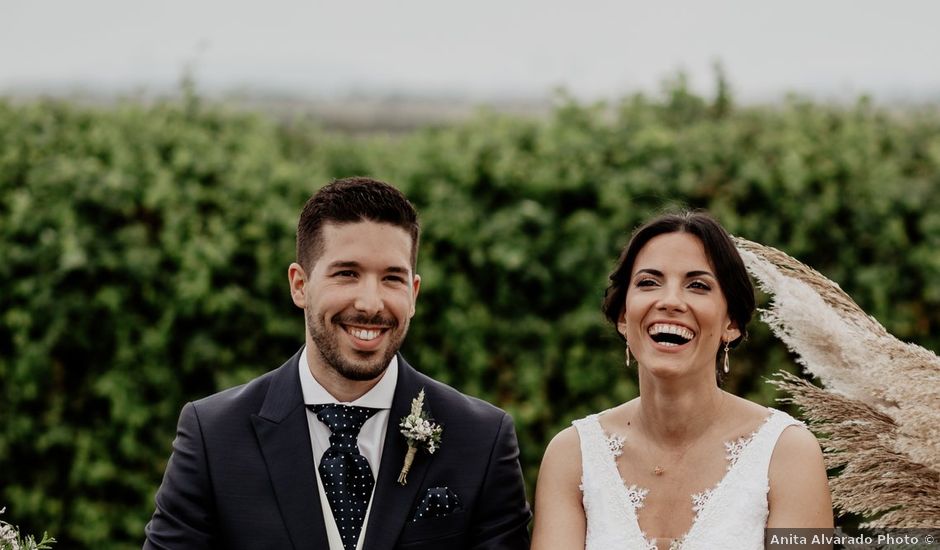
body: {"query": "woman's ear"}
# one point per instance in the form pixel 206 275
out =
pixel 732 332
pixel 622 324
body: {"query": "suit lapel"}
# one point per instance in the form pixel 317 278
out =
pixel 284 438
pixel 391 502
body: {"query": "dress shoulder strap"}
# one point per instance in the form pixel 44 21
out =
pixel 765 439
pixel 593 443
pixel 609 505
pixel 588 427
pixel 598 452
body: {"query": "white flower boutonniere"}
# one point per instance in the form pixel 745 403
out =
pixel 11 539
pixel 421 433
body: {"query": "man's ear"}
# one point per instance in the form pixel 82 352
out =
pixel 415 286
pixel 298 284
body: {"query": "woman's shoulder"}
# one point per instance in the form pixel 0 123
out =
pixel 565 447
pixel 745 412
pixel 563 454
pixel 798 493
pixel 747 408
pixel 616 420
pixel 742 418
pixel 797 443
pixel 794 447
pixel 565 441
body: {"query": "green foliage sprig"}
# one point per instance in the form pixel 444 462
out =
pixel 12 539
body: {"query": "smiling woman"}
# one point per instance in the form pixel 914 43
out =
pixel 686 465
pixel 676 314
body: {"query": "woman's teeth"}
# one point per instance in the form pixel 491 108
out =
pixel 670 335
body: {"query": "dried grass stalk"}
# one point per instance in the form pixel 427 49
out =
pixel 879 414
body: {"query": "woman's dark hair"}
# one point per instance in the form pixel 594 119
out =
pixel 719 249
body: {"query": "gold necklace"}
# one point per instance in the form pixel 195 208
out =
pixel 659 470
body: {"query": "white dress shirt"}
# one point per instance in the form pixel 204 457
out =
pixel 371 436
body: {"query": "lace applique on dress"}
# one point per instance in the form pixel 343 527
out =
pixel 699 500
pixel 615 444
pixel 732 514
pixel 733 453
pixel 636 495
pixel 648 545
pixel 733 449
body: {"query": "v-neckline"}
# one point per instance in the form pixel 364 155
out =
pixel 635 495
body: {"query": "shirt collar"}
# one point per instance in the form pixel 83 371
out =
pixel 379 397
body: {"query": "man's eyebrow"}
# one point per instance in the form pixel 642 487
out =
pixel 349 264
pixel 341 264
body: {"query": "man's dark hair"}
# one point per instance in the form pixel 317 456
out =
pixel 719 249
pixel 351 200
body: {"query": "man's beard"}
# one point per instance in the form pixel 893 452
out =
pixel 327 343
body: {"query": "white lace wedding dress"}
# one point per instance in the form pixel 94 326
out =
pixel 732 514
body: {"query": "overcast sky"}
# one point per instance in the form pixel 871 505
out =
pixel 481 48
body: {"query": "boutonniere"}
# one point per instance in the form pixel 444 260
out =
pixel 421 433
pixel 10 538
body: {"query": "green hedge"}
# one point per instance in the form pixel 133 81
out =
pixel 144 253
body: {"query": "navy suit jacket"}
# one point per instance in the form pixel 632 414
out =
pixel 242 474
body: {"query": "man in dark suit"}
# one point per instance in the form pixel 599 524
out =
pixel 308 456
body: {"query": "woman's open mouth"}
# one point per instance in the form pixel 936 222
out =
pixel 670 335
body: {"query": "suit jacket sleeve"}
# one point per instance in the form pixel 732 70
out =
pixel 503 515
pixel 184 516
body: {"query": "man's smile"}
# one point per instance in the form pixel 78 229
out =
pixel 363 334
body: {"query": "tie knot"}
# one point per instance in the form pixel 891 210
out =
pixel 343 420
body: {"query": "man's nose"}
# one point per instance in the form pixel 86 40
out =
pixel 369 296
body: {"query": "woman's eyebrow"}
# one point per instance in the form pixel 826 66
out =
pixel 657 273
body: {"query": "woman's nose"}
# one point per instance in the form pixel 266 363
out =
pixel 671 299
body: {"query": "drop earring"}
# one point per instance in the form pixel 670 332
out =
pixel 627 351
pixel 727 367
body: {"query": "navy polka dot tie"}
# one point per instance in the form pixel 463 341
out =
pixel 346 475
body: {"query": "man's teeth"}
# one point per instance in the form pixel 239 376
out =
pixel 364 334
pixel 664 328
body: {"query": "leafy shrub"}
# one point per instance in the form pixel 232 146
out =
pixel 143 258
